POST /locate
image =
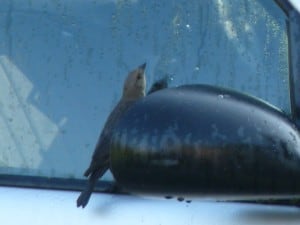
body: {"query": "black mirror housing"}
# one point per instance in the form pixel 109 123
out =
pixel 204 140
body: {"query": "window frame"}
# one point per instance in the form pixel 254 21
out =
pixel 293 21
pixel 294 61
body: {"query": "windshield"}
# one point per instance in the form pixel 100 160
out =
pixel 63 63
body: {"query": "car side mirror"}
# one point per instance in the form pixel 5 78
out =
pixel 206 141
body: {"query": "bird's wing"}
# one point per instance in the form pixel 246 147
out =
pixel 101 154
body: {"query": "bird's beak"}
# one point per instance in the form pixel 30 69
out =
pixel 143 66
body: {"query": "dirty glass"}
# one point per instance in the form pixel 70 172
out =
pixel 62 66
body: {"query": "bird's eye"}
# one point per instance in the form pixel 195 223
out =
pixel 139 76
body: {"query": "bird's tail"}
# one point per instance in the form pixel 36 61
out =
pixel 85 195
pixel 88 172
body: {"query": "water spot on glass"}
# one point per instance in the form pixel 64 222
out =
pixel 223 96
pixel 36 97
pixel 66 34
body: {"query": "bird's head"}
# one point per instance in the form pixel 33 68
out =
pixel 135 83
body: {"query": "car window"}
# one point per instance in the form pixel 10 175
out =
pixel 63 63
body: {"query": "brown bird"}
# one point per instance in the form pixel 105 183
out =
pixel 134 88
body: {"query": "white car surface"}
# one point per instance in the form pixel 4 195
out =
pixel 33 206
